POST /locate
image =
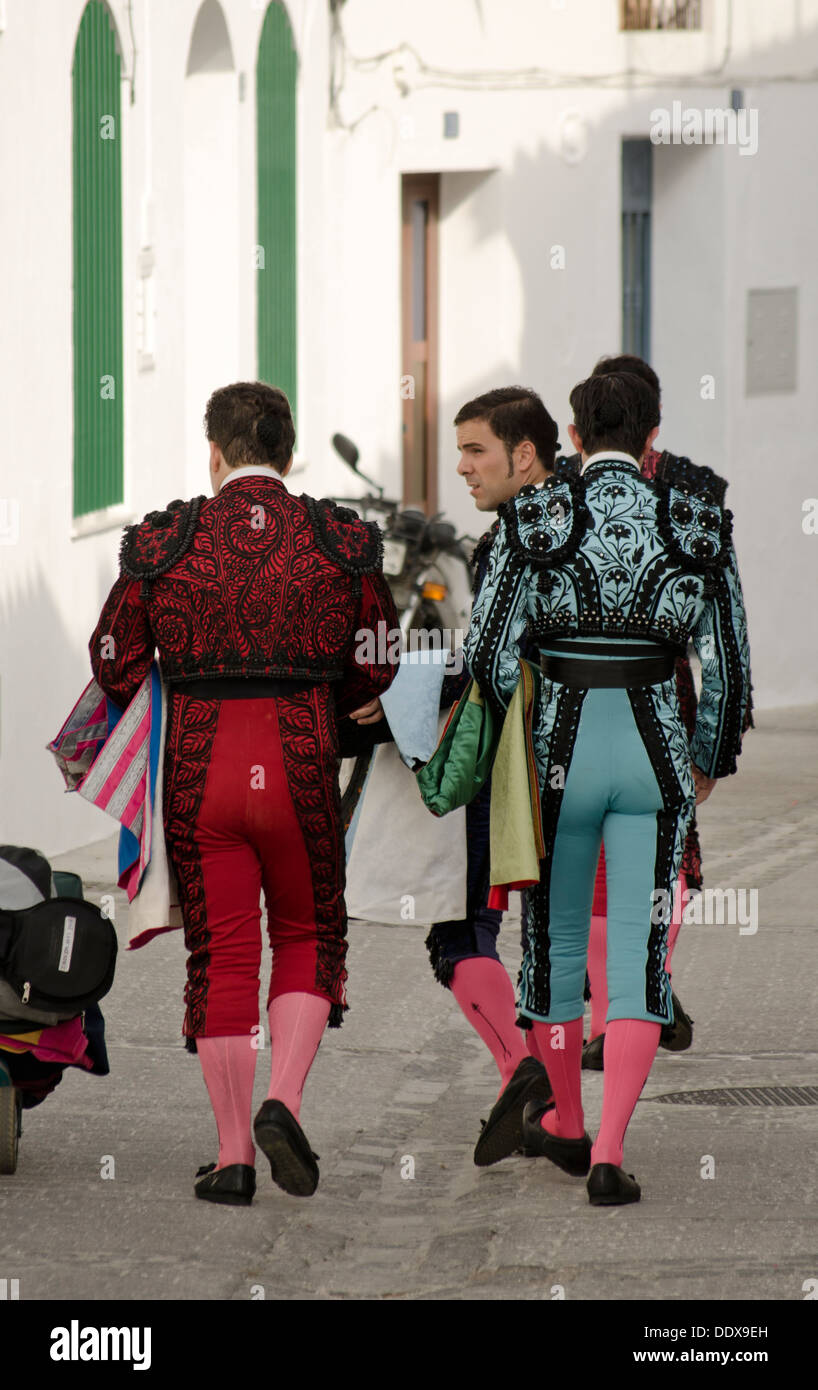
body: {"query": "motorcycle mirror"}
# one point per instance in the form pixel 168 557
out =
pixel 345 447
pixel 349 453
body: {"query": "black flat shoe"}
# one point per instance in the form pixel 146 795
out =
pixel 502 1133
pixel 593 1053
pixel 608 1186
pixel 678 1035
pixel 571 1155
pixel 292 1162
pixel 232 1186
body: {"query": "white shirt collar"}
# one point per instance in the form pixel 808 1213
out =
pixel 610 454
pixel 251 470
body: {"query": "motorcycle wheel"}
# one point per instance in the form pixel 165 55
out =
pixel 9 1127
pixel 351 779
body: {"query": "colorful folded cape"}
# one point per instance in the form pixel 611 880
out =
pixel 113 758
pixel 470 749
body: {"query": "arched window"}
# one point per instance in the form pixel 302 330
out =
pixel 276 78
pixel 97 185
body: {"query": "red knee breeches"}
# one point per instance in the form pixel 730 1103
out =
pixel 251 804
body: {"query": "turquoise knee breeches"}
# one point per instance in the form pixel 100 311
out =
pixel 618 772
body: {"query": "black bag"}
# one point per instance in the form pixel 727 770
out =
pixel 59 954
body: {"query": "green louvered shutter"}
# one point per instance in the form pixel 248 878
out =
pixel 98 480
pixel 276 77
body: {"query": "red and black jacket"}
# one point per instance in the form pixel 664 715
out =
pixel 254 582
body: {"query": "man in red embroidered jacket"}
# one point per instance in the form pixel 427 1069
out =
pixel 253 599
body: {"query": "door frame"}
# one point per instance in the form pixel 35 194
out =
pixel 427 187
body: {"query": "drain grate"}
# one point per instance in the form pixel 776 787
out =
pixel 744 1095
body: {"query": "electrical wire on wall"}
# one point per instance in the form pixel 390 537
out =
pixel 132 79
pixel 425 75
pixel 338 54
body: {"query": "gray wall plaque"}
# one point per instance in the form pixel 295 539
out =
pixel 772 341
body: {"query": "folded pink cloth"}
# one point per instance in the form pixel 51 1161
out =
pixel 63 1042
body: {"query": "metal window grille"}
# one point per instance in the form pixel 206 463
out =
pixel 97 218
pixel 637 195
pixel 660 14
pixel 276 79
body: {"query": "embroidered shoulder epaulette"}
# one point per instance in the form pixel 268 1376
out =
pixel 693 478
pixel 355 546
pixel 545 524
pixel 691 516
pixel 154 545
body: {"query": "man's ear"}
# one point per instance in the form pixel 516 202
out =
pixel 574 436
pixel 216 456
pixel 526 457
pixel 288 465
pixel 650 440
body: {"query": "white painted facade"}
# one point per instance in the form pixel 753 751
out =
pixel 544 98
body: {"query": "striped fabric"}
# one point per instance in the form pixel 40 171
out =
pixel 110 757
pixel 81 736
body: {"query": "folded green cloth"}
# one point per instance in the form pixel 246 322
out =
pixel 462 760
pixel 472 746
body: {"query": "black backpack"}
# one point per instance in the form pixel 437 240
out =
pixel 58 954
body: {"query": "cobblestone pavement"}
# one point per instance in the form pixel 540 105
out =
pixel 405 1079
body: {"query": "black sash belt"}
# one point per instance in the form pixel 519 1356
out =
pixel 579 673
pixel 238 687
pixel 571 646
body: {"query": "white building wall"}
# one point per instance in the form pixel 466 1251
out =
pixel 511 189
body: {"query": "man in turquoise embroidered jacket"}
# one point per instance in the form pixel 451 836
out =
pixel 610 573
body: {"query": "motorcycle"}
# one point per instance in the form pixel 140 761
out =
pixel 429 571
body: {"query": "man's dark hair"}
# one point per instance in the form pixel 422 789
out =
pixel 614 411
pixel 627 362
pixel 252 423
pixel 514 413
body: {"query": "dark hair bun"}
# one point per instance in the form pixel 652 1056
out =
pixel 268 430
pixel 608 415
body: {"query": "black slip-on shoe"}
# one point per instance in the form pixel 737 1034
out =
pixel 608 1186
pixel 232 1186
pixel 502 1133
pixel 678 1035
pixel 571 1155
pixel 292 1162
pixel 593 1053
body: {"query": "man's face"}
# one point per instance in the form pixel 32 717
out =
pixel 485 466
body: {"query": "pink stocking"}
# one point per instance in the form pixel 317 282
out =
pixel 598 973
pixel 630 1047
pixel 486 996
pixel 297 1023
pixel 229 1066
pixel 563 1065
pixel 675 923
